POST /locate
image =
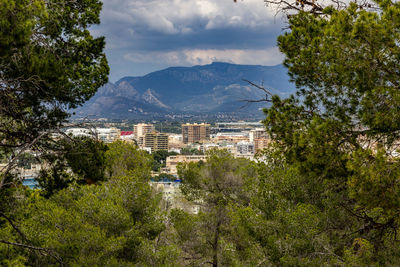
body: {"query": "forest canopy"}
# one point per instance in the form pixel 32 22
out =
pixel 326 191
pixel 49 63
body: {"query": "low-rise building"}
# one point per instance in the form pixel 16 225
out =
pixel 173 161
pixel 232 137
pixel 127 136
pixel 77 132
pixel 108 135
pixel 244 148
pixel 175 142
pixel 172 196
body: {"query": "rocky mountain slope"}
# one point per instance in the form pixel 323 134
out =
pixel 210 89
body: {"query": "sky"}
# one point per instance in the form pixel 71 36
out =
pixel 148 35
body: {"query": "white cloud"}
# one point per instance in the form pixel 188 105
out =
pixel 189 57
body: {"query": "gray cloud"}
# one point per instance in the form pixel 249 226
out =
pixel 144 35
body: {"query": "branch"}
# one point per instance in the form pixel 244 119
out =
pixel 316 7
pixel 257 101
pixel 7 169
pixel 259 87
pixel 13 225
pixel 46 250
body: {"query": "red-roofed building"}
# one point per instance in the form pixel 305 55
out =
pixel 125 133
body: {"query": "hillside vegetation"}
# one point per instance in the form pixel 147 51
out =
pixel 325 193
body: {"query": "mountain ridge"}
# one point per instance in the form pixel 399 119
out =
pixel 218 87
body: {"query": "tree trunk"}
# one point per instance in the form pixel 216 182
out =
pixel 215 244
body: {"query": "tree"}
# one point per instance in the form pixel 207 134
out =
pixel 218 186
pixel 49 63
pixel 191 151
pixel 126 159
pixel 336 140
pixel 160 158
pixel 76 159
pixel 115 222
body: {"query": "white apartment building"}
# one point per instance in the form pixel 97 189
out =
pixel 106 135
pixel 76 132
pixel 243 148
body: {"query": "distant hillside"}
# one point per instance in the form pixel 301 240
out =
pixel 209 89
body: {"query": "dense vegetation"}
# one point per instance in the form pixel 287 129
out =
pixel 325 193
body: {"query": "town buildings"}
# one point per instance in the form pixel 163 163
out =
pixel 245 148
pixel 259 137
pixel 261 143
pixel 140 130
pixel 155 141
pixel 107 135
pixel 257 133
pixel 173 161
pixel 192 133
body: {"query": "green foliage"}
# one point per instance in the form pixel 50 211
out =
pixel 160 158
pixel 329 190
pixel 49 63
pixel 219 187
pixel 191 151
pixel 87 158
pixel 26 160
pixel 344 63
pixel 126 159
pixel 55 178
pixel 81 160
pixel 162 176
pixel 114 223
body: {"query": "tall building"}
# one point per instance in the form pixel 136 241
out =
pixel 192 133
pixel 156 141
pixel 257 133
pixel 140 130
pixel 261 143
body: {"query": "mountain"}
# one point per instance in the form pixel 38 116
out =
pixel 217 88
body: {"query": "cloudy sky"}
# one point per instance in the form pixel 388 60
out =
pixel 148 35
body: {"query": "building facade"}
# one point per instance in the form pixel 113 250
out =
pixel 257 133
pixel 156 141
pixel 173 161
pixel 261 143
pixel 244 148
pixel 192 133
pixel 107 135
pixel 140 130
